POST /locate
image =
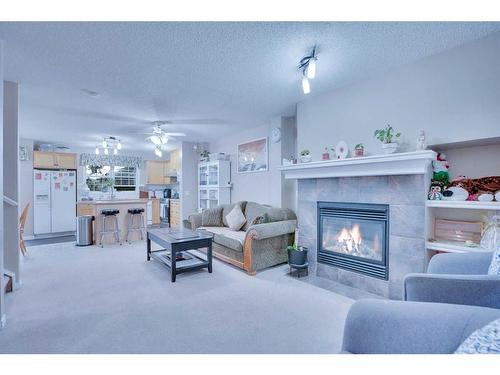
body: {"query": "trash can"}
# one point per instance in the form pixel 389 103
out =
pixel 84 234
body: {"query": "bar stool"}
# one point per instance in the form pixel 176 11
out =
pixel 110 214
pixel 133 212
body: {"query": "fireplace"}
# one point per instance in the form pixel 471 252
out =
pixel 355 237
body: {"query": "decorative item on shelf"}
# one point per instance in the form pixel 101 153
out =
pixel 440 169
pixel 293 159
pixel 458 231
pixel 421 142
pixel 491 234
pixel 204 155
pixel 341 150
pixel 305 156
pixel 359 150
pixel 326 153
pixel 486 187
pixel 386 136
pixel 455 193
pixel 285 161
pixel 436 191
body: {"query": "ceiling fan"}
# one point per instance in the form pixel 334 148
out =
pixel 160 137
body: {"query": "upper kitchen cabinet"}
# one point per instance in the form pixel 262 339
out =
pixel 157 172
pixel 175 162
pixel 54 160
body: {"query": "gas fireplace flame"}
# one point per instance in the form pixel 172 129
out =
pixel 351 239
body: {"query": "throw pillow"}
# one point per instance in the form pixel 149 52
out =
pixel 485 340
pixel 211 217
pixel 495 264
pixel 261 219
pixel 235 219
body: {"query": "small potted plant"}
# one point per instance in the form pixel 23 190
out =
pixel 305 156
pixel 359 150
pixel 297 255
pixel 386 136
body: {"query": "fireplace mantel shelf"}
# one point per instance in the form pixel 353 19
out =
pixel 406 163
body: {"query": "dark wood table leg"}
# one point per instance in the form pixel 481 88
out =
pixel 209 257
pixel 148 242
pixel 173 267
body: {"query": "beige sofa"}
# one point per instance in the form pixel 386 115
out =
pixel 254 247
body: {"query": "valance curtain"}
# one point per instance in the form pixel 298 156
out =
pixel 121 160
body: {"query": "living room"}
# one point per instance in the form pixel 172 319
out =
pixel 250 187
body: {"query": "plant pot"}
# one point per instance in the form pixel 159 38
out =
pixel 297 257
pixel 305 158
pixel 359 152
pixel 389 148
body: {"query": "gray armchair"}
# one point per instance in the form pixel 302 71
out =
pixel 455 278
pixel 397 327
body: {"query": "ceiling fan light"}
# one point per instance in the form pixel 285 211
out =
pixel 311 68
pixel 164 139
pixel 115 151
pixel 119 145
pixel 97 150
pixel 156 139
pixel 306 87
pixel 106 151
pixel 104 143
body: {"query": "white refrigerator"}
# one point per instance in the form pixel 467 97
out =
pixel 54 208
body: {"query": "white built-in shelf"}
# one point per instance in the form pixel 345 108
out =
pixel 453 247
pixel 470 205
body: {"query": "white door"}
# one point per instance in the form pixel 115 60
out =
pixel 63 191
pixel 41 201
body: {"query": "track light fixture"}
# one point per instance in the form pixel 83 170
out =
pixel 307 66
pixel 107 144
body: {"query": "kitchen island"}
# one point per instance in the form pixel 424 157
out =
pixel 95 207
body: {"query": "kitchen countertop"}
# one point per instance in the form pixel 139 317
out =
pixel 117 201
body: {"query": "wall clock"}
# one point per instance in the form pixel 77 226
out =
pixel 275 135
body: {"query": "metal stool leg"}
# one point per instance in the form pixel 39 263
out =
pixel 142 228
pixel 103 230
pixel 117 230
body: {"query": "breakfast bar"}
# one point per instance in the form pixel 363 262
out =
pixel 95 208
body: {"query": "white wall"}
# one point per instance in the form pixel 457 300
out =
pixel 2 286
pixel 188 180
pixel 262 187
pixel 474 162
pixel 454 96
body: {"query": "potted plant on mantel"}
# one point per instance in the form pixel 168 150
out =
pixel 386 136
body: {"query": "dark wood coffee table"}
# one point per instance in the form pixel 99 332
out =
pixel 175 254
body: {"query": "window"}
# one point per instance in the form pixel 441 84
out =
pixel 124 178
pixel 101 178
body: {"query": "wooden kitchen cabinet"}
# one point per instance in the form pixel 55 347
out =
pixel 155 208
pixel 175 162
pixel 175 213
pixel 157 172
pixel 54 160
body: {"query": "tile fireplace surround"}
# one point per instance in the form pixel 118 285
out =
pixel 402 185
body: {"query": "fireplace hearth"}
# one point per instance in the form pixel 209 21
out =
pixel 355 237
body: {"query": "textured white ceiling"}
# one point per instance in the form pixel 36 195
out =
pixel 226 75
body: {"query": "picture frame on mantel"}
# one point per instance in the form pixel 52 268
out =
pixel 253 156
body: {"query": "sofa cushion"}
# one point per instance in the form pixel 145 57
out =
pixel 227 237
pixel 226 209
pixel 212 217
pixel 235 219
pixel 485 340
pixel 494 268
pixel 252 210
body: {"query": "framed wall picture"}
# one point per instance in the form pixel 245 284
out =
pixel 253 156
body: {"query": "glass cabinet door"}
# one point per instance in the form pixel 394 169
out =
pixel 213 172
pixel 213 196
pixel 203 174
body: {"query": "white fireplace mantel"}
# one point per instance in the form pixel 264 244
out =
pixel 406 163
